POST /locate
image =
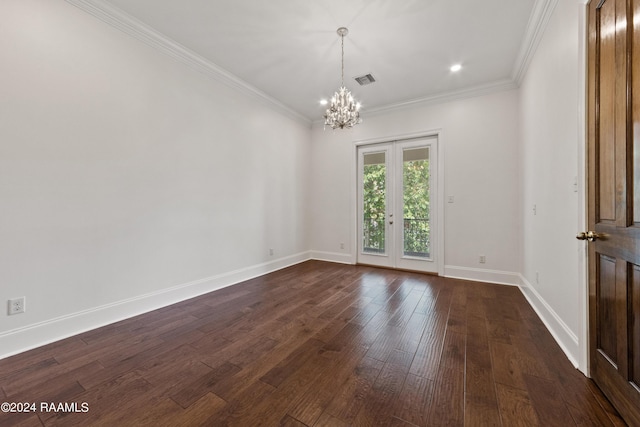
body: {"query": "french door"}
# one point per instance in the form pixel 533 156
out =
pixel 397 204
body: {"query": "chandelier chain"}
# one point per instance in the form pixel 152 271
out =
pixel 342 68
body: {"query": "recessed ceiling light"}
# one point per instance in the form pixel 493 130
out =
pixel 323 102
pixel 456 68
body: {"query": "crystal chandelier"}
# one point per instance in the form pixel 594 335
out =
pixel 343 111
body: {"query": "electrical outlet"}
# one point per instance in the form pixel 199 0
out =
pixel 483 259
pixel 537 277
pixel 16 305
pixel 270 251
pixel 341 245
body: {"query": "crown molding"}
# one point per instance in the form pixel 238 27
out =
pixel 441 98
pixel 538 20
pixel 472 92
pixel 124 22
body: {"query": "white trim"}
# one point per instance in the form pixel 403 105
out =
pixel 482 275
pixel 564 336
pixel 124 22
pixel 22 339
pixel 396 138
pixel 333 257
pixel 440 208
pixel 583 265
pixel 542 10
pixel 353 205
pixel 441 98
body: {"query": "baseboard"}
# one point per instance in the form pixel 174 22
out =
pixel 333 257
pixel 39 334
pixel 482 275
pixel 566 339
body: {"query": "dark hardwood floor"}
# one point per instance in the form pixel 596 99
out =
pixel 317 344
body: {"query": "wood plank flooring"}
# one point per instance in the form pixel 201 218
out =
pixel 316 344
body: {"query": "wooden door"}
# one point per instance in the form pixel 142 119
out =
pixel 614 201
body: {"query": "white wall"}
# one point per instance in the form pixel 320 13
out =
pixel 129 181
pixel 479 141
pixel 551 95
pixel 125 175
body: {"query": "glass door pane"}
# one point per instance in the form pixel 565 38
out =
pixel 374 202
pixel 416 230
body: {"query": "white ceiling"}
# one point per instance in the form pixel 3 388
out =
pixel 289 49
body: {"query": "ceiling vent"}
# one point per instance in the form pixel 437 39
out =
pixel 365 80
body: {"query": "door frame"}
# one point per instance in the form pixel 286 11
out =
pixel 582 179
pixel 437 133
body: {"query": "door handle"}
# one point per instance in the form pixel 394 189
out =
pixel 588 235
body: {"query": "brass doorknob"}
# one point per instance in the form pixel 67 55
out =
pixel 588 235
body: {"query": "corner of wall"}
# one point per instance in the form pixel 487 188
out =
pixel 337 257
pixel 566 339
pixel 482 275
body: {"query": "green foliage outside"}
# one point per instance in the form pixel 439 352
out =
pixel 416 207
pixel 374 191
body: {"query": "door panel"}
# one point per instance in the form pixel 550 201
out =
pixel 607 83
pixel 374 192
pixel 606 296
pixel 635 326
pixel 614 275
pixel 416 178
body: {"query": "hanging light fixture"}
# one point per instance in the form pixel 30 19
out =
pixel 343 111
